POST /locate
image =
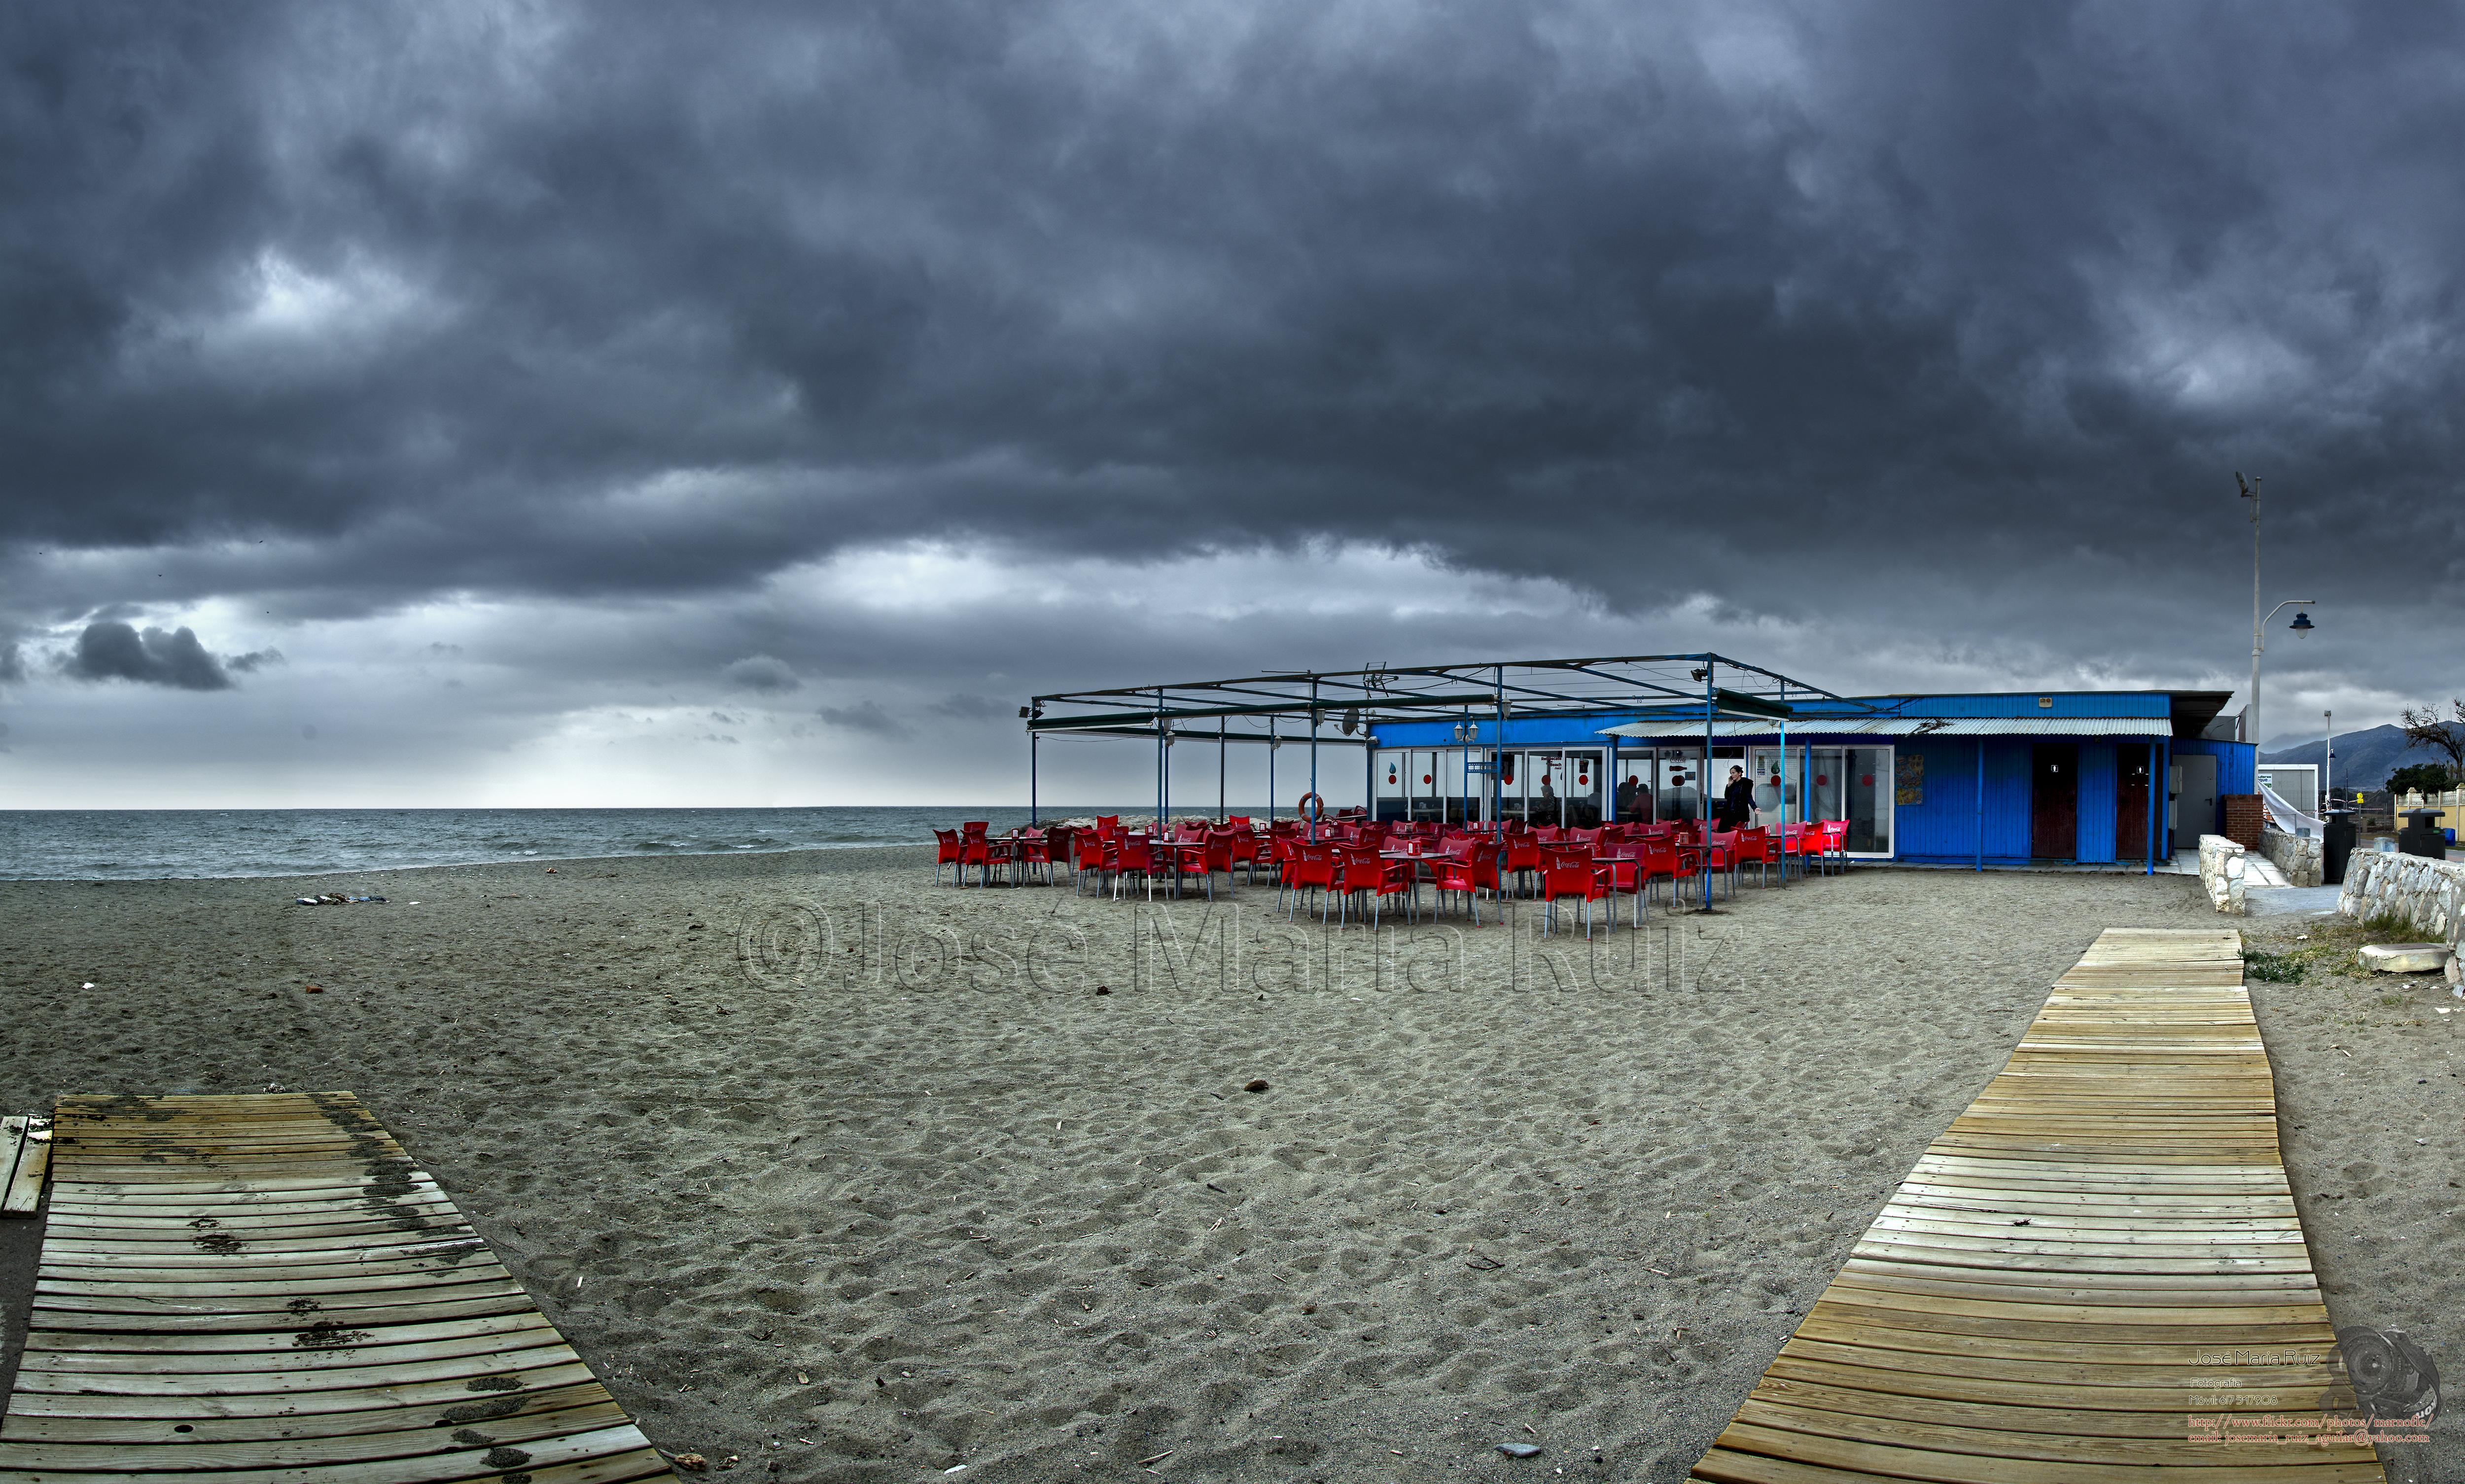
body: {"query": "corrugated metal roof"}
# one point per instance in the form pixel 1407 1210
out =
pixel 1912 726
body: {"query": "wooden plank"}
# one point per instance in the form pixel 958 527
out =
pixel 2044 1299
pixel 337 1374
pixel 450 1390
pixel 281 1295
pixel 456 1409
pixel 409 1438
pixel 1891 1461
pixel 214 1348
pixel 130 1464
pixel 24 1192
pixel 2102 1448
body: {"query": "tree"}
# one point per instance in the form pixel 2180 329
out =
pixel 2424 728
pixel 2422 778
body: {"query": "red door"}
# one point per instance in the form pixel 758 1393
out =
pixel 2131 805
pixel 2054 801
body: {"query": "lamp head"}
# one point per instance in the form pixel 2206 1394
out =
pixel 2302 622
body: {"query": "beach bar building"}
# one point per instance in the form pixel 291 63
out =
pixel 1943 780
pixel 1976 780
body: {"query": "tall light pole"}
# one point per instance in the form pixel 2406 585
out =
pixel 2327 754
pixel 2301 620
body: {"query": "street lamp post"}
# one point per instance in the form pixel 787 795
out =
pixel 2258 644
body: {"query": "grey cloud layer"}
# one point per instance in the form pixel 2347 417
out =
pixel 1957 316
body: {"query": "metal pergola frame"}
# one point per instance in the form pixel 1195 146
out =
pixel 1254 709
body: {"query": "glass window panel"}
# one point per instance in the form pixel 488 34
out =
pixel 1870 800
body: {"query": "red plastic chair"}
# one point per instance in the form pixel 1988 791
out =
pixel 972 849
pixel 1214 855
pixel 1310 868
pixel 1831 844
pixel 1799 839
pixel 1621 868
pixel 1466 872
pixel 1568 875
pixel 1719 853
pixel 1132 856
pixel 1521 857
pixel 1247 846
pixel 1362 872
pixel 1752 845
pixel 948 852
pixel 1087 851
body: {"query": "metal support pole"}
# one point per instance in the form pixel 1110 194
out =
pixel 2250 713
pixel 1608 786
pixel 1369 776
pixel 1219 768
pixel 1703 784
pixel 2328 756
pixel 1032 739
pixel 1274 745
pixel 1782 772
pixel 1164 766
pixel 1497 766
pixel 1313 787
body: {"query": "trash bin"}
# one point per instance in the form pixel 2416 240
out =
pixel 2336 844
pixel 2422 835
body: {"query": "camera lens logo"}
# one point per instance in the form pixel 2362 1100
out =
pixel 2394 1381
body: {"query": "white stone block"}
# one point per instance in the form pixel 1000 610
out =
pixel 2404 958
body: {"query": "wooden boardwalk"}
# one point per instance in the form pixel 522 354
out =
pixel 266 1289
pixel 2094 1274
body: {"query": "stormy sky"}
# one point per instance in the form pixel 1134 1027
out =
pixel 608 404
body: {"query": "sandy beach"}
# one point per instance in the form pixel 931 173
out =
pixel 857 1178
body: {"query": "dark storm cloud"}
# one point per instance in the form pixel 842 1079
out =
pixel 1959 314
pixel 759 673
pixel 865 716
pixel 966 707
pixel 255 660
pixel 113 651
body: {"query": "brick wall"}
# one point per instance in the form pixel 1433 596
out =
pixel 2244 818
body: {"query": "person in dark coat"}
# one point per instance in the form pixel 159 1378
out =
pixel 1738 800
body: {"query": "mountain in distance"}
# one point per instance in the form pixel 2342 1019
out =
pixel 2363 759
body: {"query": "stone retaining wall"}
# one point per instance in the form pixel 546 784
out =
pixel 2428 894
pixel 2296 855
pixel 2221 871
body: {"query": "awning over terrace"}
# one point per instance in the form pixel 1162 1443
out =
pixel 1909 726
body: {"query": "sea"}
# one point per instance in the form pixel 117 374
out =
pixel 147 845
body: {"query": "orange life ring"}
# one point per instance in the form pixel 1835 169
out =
pixel 1307 800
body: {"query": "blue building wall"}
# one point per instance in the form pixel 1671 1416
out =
pixel 2237 762
pixel 2096 776
pixel 1944 826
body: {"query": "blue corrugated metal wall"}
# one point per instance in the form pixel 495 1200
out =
pixel 1944 824
pixel 1946 827
pixel 2096 783
pixel 2237 762
pixel 2006 798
